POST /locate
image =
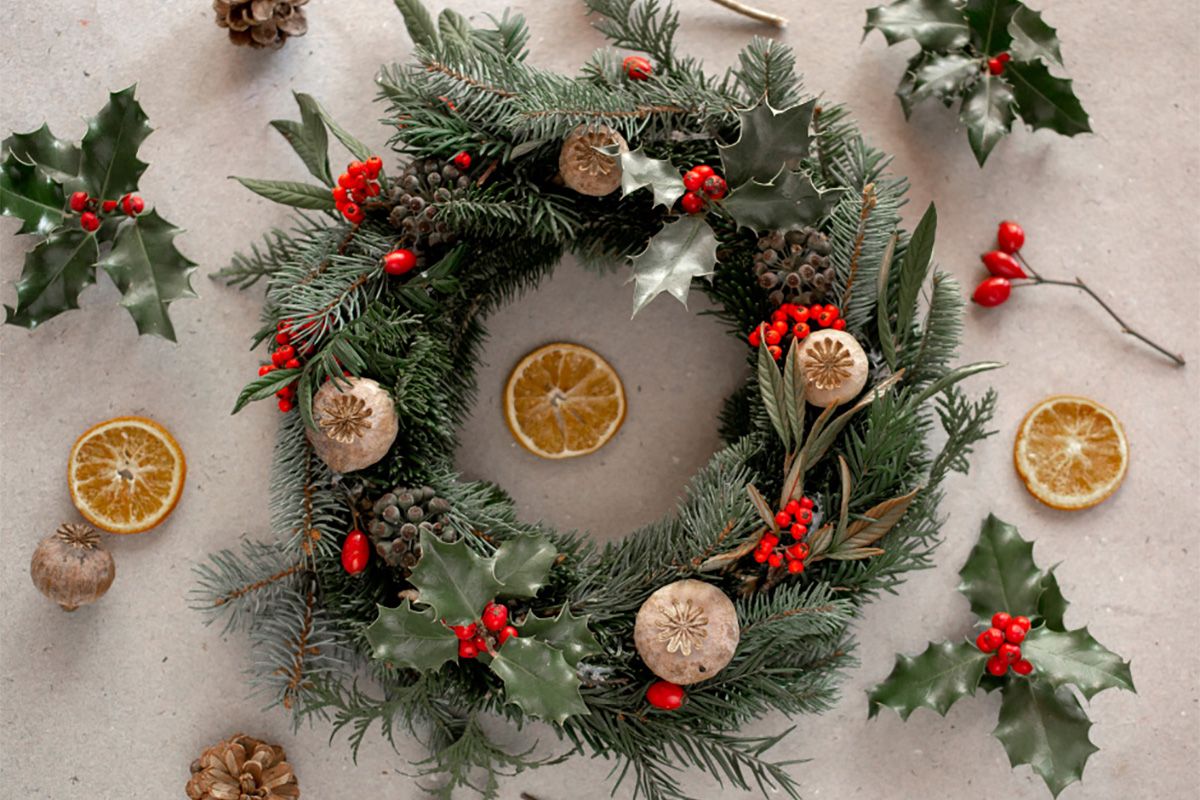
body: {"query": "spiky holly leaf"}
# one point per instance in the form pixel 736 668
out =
pixel 55 272
pixel 639 170
pixel 538 679
pixel 523 564
pixel 308 137
pixel 1052 606
pixel 568 634
pixel 934 24
pixel 684 249
pixel 1032 38
pixel 945 673
pixel 57 157
pixel 410 638
pixel 109 164
pixel 1074 657
pixel 769 140
pixel 789 200
pixel 454 580
pixel 1047 729
pixel 941 76
pixel 150 272
pixel 987 111
pixel 1045 101
pixel 989 24
pixel 1000 574
pixel 30 195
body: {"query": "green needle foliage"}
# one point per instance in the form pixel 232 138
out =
pixel 870 468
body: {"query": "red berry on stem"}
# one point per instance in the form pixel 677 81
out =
pixel 1001 620
pixel 464 632
pixel 986 641
pixel 761 556
pixel 692 180
pixel 283 338
pixel 495 616
pixel 665 695
pixel 285 405
pixel 995 66
pixel 807 502
pixel 1022 667
pixel 992 292
pixel 714 187
pixel 773 336
pixel 755 338
pixel 1010 236
pixel 997 666
pixel 108 206
pixel 692 203
pixel 1009 652
pixel 137 204
pixel 799 313
pixel 356 168
pixel 783 519
pixel 467 649
pixel 1002 265
pixel 292 363
pixel 800 330
pixel 775 351
pixel 374 166
pixel 462 160
pixel 480 644
pixel 1014 634
pixel 704 171
pixel 398 262
pixel 839 324
pixel 775 560
pixel 792 507
pixel 79 201
pixel 356 551
pixel 805 516
pixel 1023 622
pixel 89 221
pixel 780 327
pixel 286 353
pixel 1004 57
pixel 798 531
pixel 506 633
pixel 265 368
pixel 796 566
pixel 637 68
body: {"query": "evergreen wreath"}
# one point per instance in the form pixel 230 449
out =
pixel 383 288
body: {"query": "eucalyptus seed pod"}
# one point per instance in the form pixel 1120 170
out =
pixel 794 266
pixel 71 568
pixel 397 520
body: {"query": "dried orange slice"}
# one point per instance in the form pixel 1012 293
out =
pixel 126 474
pixel 1071 452
pixel 563 400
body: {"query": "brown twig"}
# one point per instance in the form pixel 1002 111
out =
pixel 753 13
pixel 241 591
pixel 640 111
pixel 869 199
pixel 295 681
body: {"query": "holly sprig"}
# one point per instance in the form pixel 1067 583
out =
pixel 992 56
pixel 1041 720
pixel 79 201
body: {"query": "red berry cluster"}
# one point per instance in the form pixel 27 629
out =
pixel 1003 265
pixel 89 208
pixel 665 695
pixel 793 320
pixel 486 635
pixel 355 185
pixel 703 184
pixel 1003 640
pixel 637 68
pixel 794 519
pixel 996 65
pixel 283 356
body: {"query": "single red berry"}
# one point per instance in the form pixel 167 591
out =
pixel 773 336
pixel 783 519
pixel 467 649
pixel 798 531
pixel 692 203
pixel 495 616
pixel 373 189
pixel 127 204
pixel 1009 652
pixel 779 315
pixel 692 180
pixel 481 644
pixel 714 187
pixel 780 327
pixel 374 166
pixel 665 695
pixel 285 405
pixel 1010 236
pixel 506 633
pixel 988 641
pixel 1014 634
pixel 997 666
pixel 815 310
pixel 108 206
pixel 464 632
pixel 89 221
pixel 1002 265
pixel 345 181
pixel 352 212
pixel 800 330
pixel 1001 620
pixel 462 160
pixel 292 363
pixel 704 171
pixel 761 556
pixel 770 539
pixel 775 560
pixel 805 516
pixel 356 551
pixel 799 313
pixel 992 292
pixel 995 66
pixel 839 324
pixel 356 168
pixel 265 368
pixel 776 351
pixel 287 353
pixel 807 502
pixel 1022 667
pixel 832 309
pixel 795 566
pixel 398 262
pixel 283 337
pixel 755 338
pixel 1023 622
pixel 286 392
pixel 798 551
pixel 79 201
pixel 637 68
pixel 1004 57
pixel 137 204
pixel 358 195
pixel 792 507
pixel 826 318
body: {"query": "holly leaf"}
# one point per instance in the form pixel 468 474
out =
pixel 945 673
pixel 1047 729
pixel 639 171
pixel 769 141
pixel 57 157
pixel 568 634
pixel 150 272
pixel 934 24
pixel 1045 101
pixel 454 580
pixel 523 564
pixel 1000 574
pixel 989 24
pixel 942 76
pixel 682 250
pixel 789 200
pixel 908 83
pixel 108 162
pixel 308 137
pixel 1052 606
pixel 55 272
pixel 408 638
pixel 1074 657
pixel 987 111
pixel 291 193
pixel 538 679
pixel 30 195
pixel 1032 38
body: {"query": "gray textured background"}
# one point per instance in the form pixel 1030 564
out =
pixel 115 700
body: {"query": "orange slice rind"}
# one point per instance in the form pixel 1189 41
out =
pixel 1071 452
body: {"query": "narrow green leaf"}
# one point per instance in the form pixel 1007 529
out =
pixel 684 249
pixel 566 633
pixel 57 157
pixel 793 393
pixel 987 112
pixel 55 272
pixel 770 389
pixel 989 24
pixel 1074 657
pixel 308 138
pixel 1000 574
pixel 887 340
pixel 414 639
pixel 1047 729
pixel 844 506
pixel 914 267
pixel 538 679
pixel 822 437
pixel 419 23
pixel 1052 606
pixel 453 579
pixel 789 200
pixel 760 505
pixel 291 193
pixel 1045 101
pixel 954 376
pixel 945 673
pixel 639 170
pixel 30 195
pixel 263 387
pixel 880 520
pixel 934 24
pixel 523 565
pixel 356 148
pixel 454 28
pixel 1032 38
pixel 769 141
pixel 150 272
pixel 109 164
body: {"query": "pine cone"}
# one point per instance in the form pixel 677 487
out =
pixel 242 768
pixel 416 193
pixel 794 266
pixel 261 23
pixel 397 519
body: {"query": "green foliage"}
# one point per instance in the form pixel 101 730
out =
pixel 789 200
pixel 1000 574
pixel 414 639
pixel 539 680
pixel 523 564
pixel 1047 729
pixel 567 633
pixel 682 250
pixel 454 581
pixel 936 679
pixel 768 140
pixel 660 176
pixel 291 193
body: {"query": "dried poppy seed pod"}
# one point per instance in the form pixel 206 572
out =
pixel 71 568
pixel 584 168
pixel 355 423
pixel 687 631
pixel 835 367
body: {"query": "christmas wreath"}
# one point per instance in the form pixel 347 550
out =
pixel 657 649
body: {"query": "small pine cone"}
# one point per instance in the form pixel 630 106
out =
pixel 397 520
pixel 242 767
pixel 261 23
pixel 794 266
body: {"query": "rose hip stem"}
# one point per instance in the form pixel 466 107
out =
pixel 753 13
pixel 1079 284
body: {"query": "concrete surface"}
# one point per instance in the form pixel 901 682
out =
pixel 115 700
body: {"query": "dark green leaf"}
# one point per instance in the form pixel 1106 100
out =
pixel 59 158
pixel 55 272
pixel 944 77
pixel 880 521
pixel 934 24
pixel 913 269
pixel 987 111
pixel 357 148
pixel 887 339
pixel 769 141
pixel 1052 606
pixel 989 24
pixel 150 272
pixel 291 193
pixel 954 376
pixel 684 249
pixel 454 27
pixel 568 634
pixel 1047 729
pixel 1032 38
pixel 789 200
pixel 308 138
pixel 109 164
pixel 453 579
pixel 821 437
pixel 1074 657
pixel 770 388
pixel 523 564
pixel 1000 574
pixel 936 679
pixel 1045 101
pixel 793 392
pixel 264 386
pixel 408 638
pixel 420 25
pixel 908 82
pixel 30 195
pixel 638 171
pixel 538 680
